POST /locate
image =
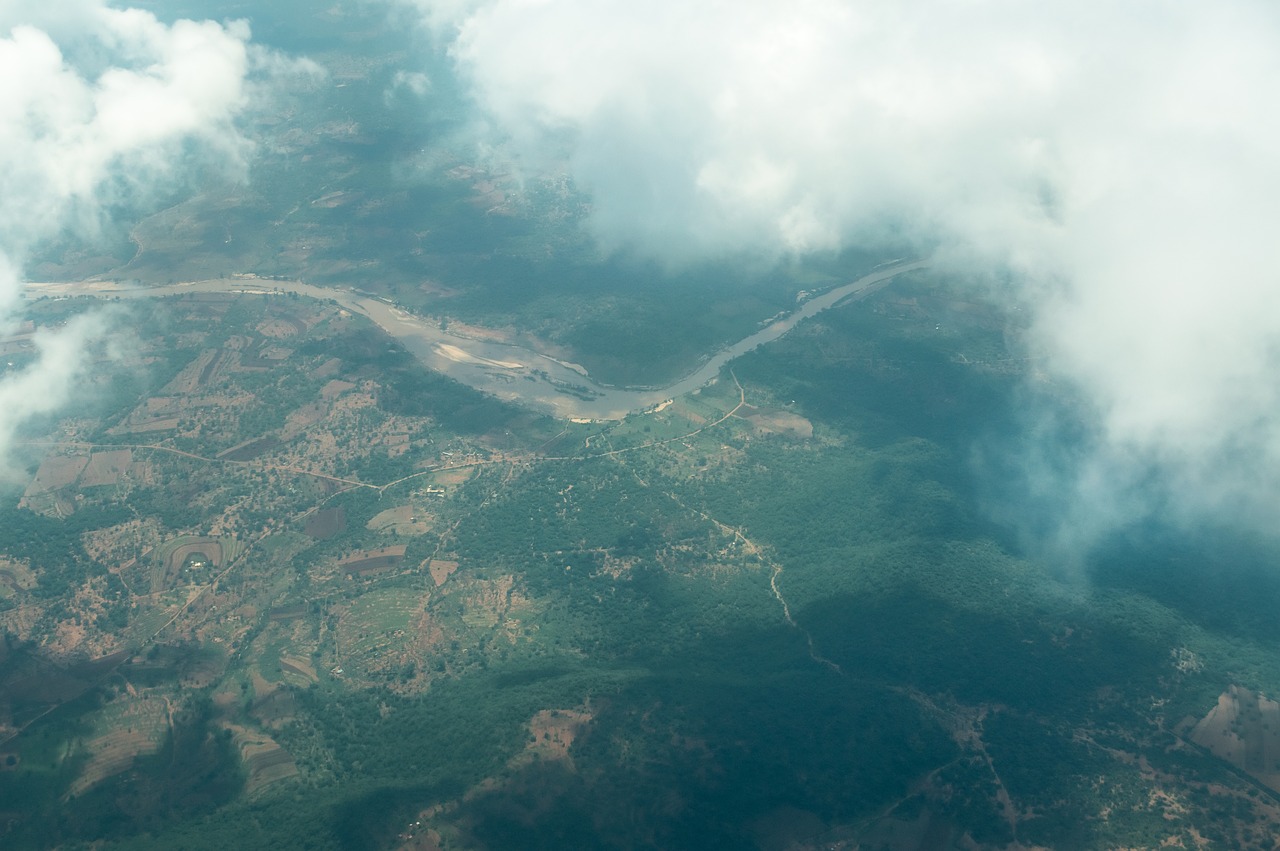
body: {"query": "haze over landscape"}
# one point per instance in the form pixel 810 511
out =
pixel 840 425
pixel 1110 162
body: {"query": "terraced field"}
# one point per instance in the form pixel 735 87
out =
pixel 124 730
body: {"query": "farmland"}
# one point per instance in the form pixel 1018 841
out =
pixel 306 553
pixel 268 581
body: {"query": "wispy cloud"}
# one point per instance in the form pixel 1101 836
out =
pixel 99 104
pixel 1118 158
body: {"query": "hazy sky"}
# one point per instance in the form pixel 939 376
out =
pixel 1121 159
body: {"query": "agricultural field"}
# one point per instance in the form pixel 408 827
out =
pixel 310 573
pixel 267 581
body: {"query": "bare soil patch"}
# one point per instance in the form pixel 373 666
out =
pixel 275 353
pixel 369 561
pixel 188 378
pixel 106 468
pixel 328 368
pixel 281 614
pixel 336 388
pixel 441 570
pixel 777 421
pixel 55 473
pixel 454 477
pixel 1244 730
pixel 139 732
pixel 554 730
pixel 490 602
pixel 459 355
pixel 275 708
pixel 21 621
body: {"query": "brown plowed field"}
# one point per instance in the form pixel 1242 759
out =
pixel 366 561
pixel 105 468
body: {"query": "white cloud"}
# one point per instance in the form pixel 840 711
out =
pixel 97 104
pixel 416 83
pixel 1120 158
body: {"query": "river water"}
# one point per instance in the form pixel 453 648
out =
pixel 513 373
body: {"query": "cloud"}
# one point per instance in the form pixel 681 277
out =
pixel 1119 159
pixel 99 104
pixel 415 83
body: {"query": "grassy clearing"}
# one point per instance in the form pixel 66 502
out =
pixel 403 520
pixel 283 546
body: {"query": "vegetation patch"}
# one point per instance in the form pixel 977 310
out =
pixel 326 523
pixel 777 421
pixel 335 388
pixel 794 627
pixel 273 704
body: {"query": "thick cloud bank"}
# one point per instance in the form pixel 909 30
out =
pixel 1120 159
pixel 98 104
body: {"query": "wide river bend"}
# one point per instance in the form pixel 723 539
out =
pixel 513 373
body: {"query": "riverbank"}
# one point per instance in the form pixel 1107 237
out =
pixel 509 372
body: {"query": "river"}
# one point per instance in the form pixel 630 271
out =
pixel 513 373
